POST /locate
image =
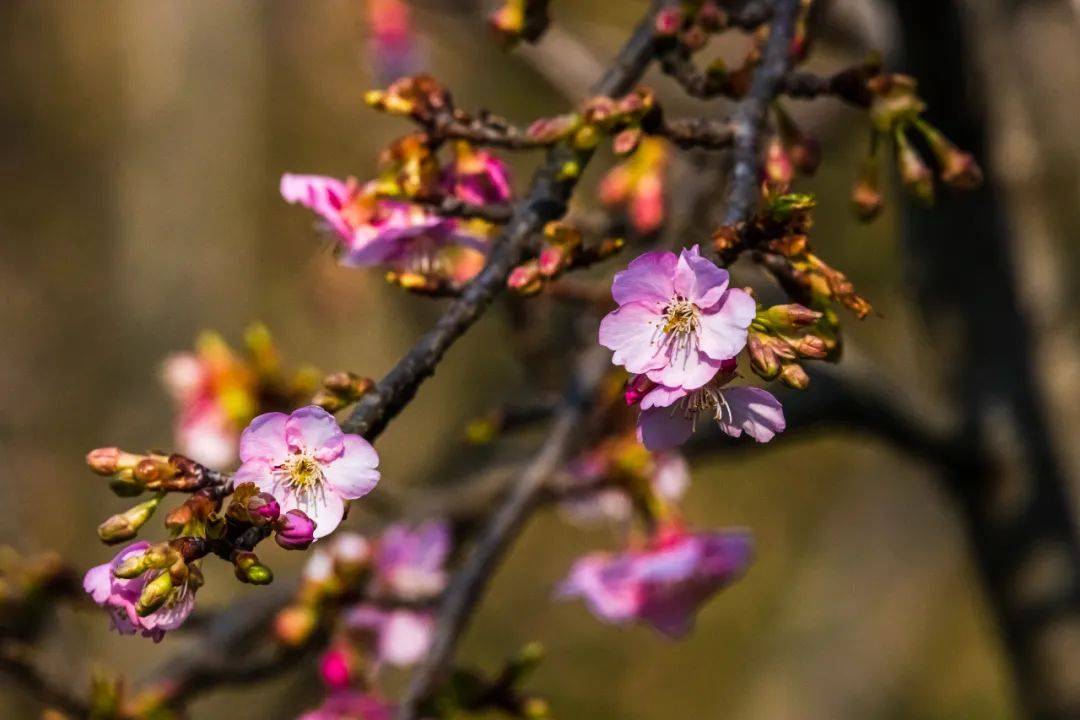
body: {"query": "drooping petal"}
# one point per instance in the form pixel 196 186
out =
pixel 647 279
pixel 353 474
pixel 264 439
pixel 723 330
pixel 98 582
pixel 323 195
pixel 753 411
pixel 606 585
pixel 661 396
pixel 631 332
pixel 312 429
pixel 663 428
pixel 699 280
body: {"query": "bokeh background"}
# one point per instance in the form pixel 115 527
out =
pixel 141 143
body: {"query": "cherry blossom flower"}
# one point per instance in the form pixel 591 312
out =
pixel 307 464
pixel 399 637
pixel 664 584
pixel 409 563
pixel 678 321
pixel 669 415
pixel 638 185
pixel 477 176
pixel 120 596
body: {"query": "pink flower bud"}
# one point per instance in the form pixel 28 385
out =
pixel 335 667
pixel 263 508
pixel 295 531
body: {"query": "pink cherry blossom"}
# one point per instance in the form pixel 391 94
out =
pixel 678 321
pixel 409 563
pixel 399 637
pixel 119 597
pixel 662 585
pixel 351 705
pixel 477 177
pixel 668 474
pixel 669 415
pixel 307 464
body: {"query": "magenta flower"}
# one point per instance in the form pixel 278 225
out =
pixel 663 585
pixel 669 415
pixel 409 563
pixel 326 197
pixel 351 705
pixel 477 177
pixel 677 320
pixel 119 597
pixel 399 637
pixel 307 464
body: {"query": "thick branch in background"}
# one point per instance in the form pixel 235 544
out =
pixel 1017 509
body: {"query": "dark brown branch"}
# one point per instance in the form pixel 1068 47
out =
pixel 505 524
pixel 698 132
pixel 748 121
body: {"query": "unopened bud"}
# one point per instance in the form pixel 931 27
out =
pixel 866 196
pixel 810 346
pixel 547 130
pixel 249 569
pixel 525 278
pixel 794 376
pixel 552 260
pixel 958 168
pixel 778 168
pixel 535 708
pixel 263 508
pixel 914 173
pixel 789 316
pixel 154 594
pixel 626 141
pixel 668 21
pixel 153 470
pixel 295 531
pixel 763 360
pixel 637 387
pixel 124 526
pixel 110 460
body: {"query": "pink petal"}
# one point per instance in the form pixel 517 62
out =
pixel 753 411
pixel 264 439
pixel 98 582
pixel 321 504
pixel 405 637
pixel 663 428
pixel 647 279
pixel 686 370
pixel 631 331
pixel 312 429
pixel 663 396
pixel 324 196
pixel 353 474
pixel 723 333
pixel 699 280
pixel 260 473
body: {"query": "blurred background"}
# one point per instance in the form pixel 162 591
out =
pixel 141 144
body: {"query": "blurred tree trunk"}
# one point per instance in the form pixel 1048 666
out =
pixel 1013 493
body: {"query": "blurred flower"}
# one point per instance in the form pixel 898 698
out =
pixel 678 321
pixel 663 584
pixel 669 415
pixel 409 563
pixel 121 597
pixel 637 184
pixel 614 467
pixel 351 705
pixel 400 637
pixel 477 176
pixel 217 391
pixel 307 464
pixel 394 47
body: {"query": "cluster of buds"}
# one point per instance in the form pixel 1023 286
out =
pixel 778 235
pixel 782 335
pixel 217 390
pixel 517 20
pixel 625 119
pixel 637 185
pixel 562 249
pixel 133 474
pixel 895 111
pixel 341 389
pixel 249 507
pixel 419 97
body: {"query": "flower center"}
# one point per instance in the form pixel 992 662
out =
pixel 680 317
pixel 304 471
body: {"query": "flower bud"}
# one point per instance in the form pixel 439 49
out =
pixel 294 625
pixel 263 508
pixel 110 460
pixel 789 316
pixel 778 168
pixel 763 360
pixel 349 385
pixel 525 279
pixel 535 708
pixel 809 346
pixel 295 531
pixel 637 387
pixel 152 470
pixel 914 173
pixel 553 129
pixel 154 594
pixel 124 526
pixel 249 569
pixel 958 168
pixel 626 141
pixel 866 196
pixel 668 21
pixel 336 667
pixel 552 260
pixel 794 376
